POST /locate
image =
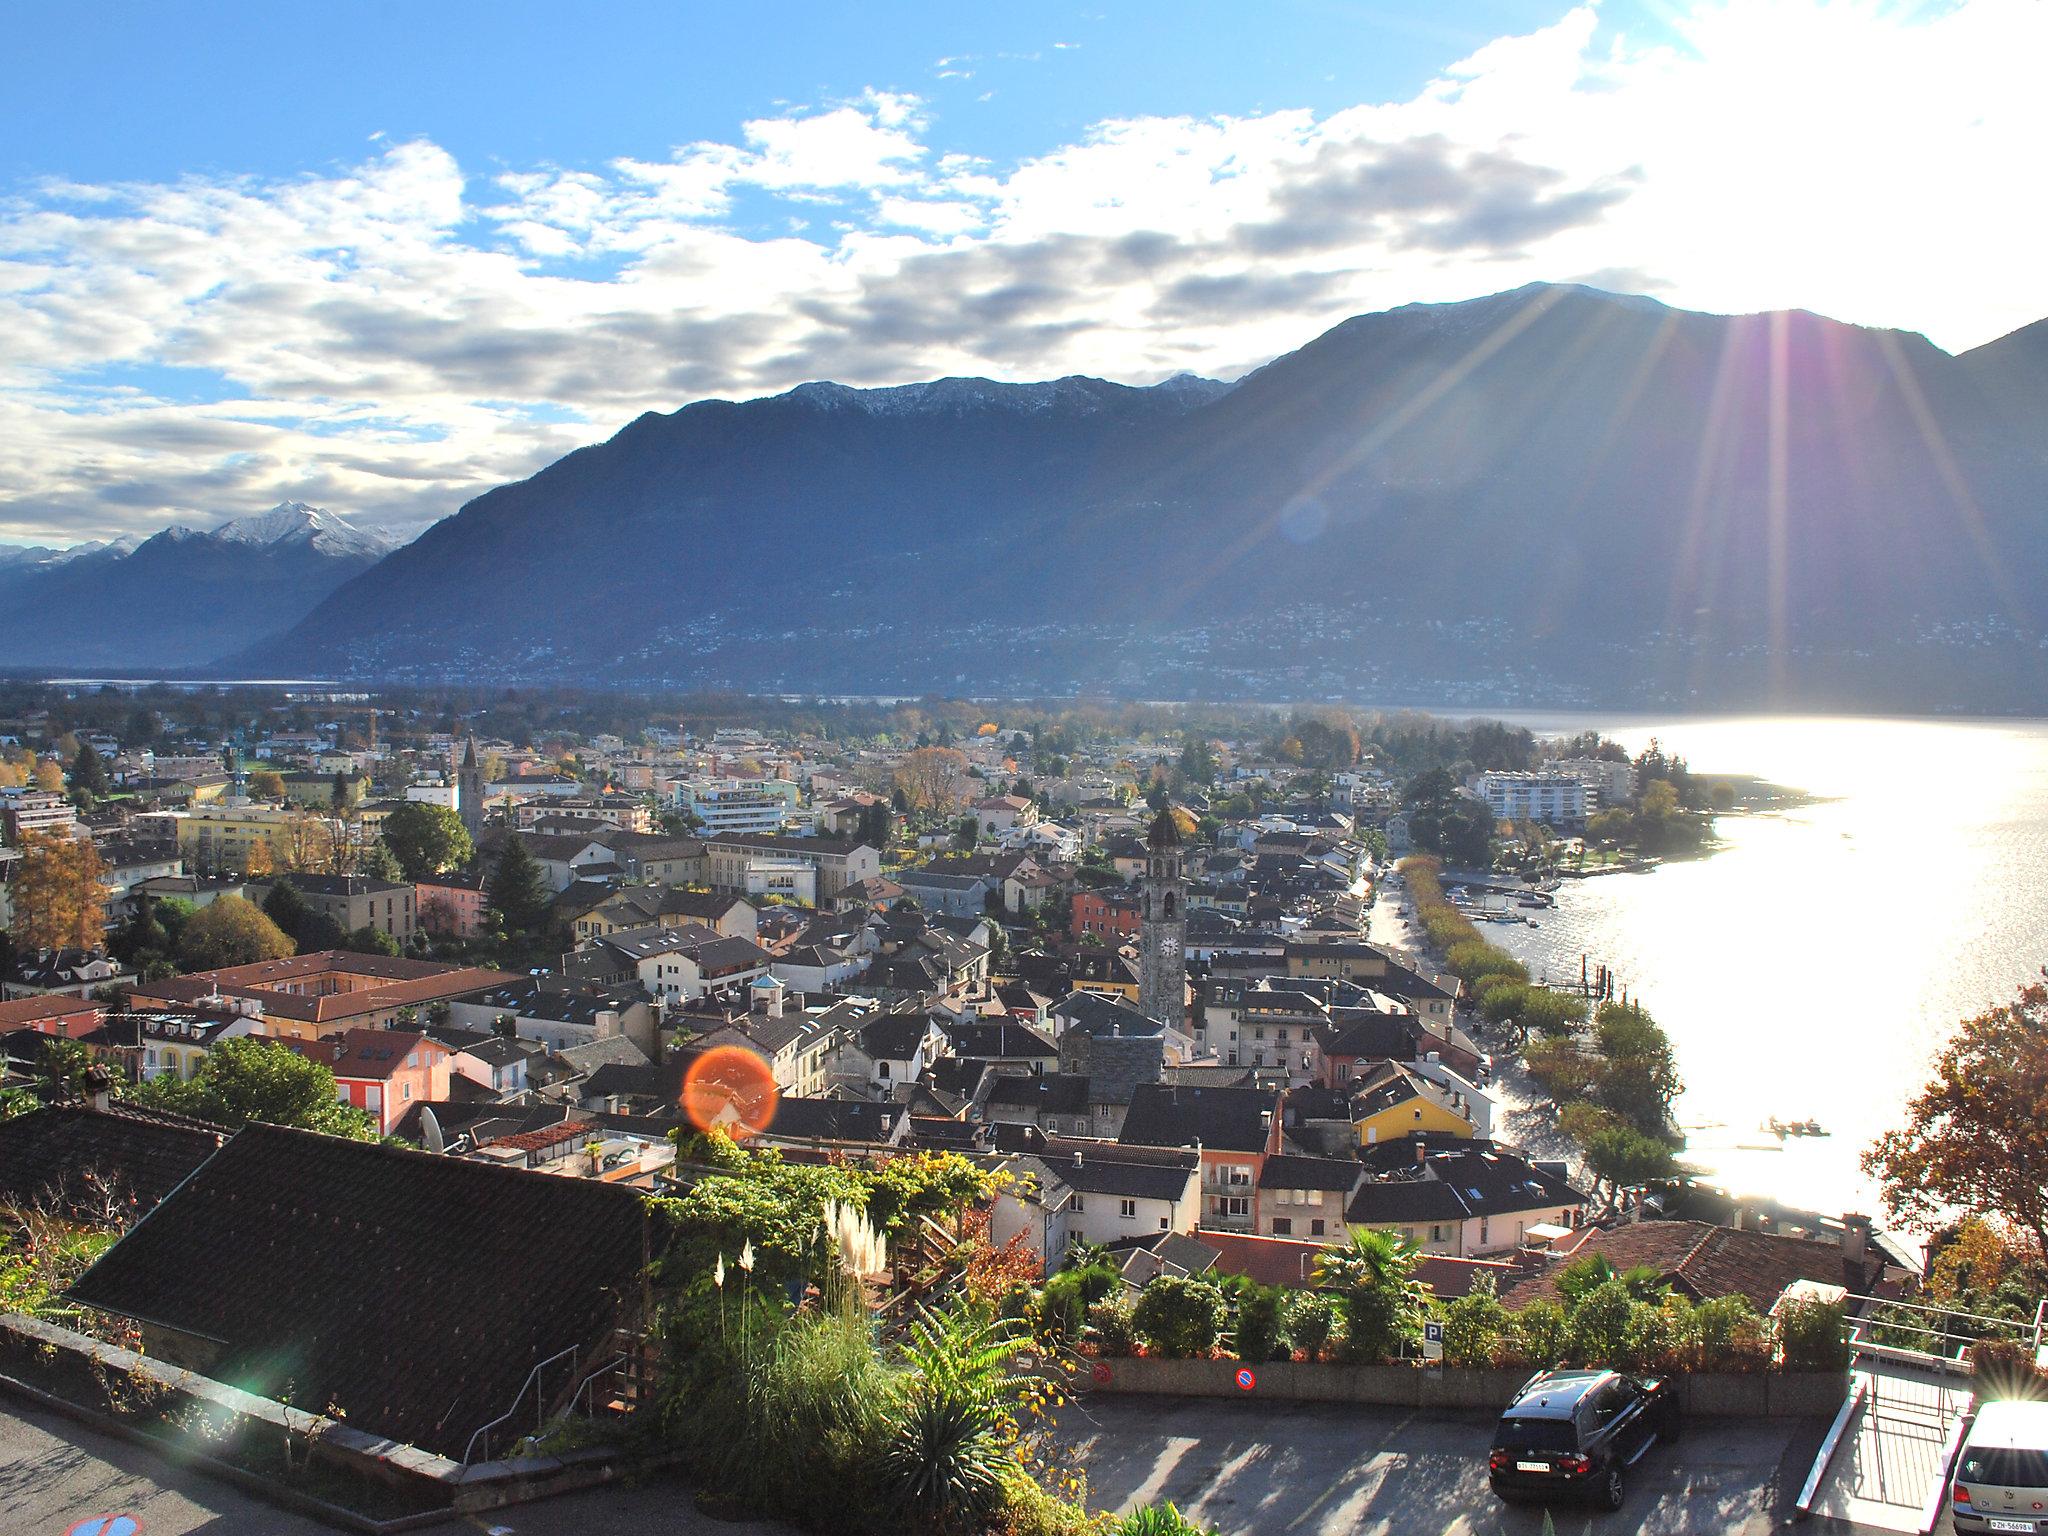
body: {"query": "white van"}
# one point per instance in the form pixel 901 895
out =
pixel 2001 1476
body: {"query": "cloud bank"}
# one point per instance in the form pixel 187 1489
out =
pixel 391 338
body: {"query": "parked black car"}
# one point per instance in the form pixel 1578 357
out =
pixel 1575 1434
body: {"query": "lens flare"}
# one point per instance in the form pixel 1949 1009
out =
pixel 731 1090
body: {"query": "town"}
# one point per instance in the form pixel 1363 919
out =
pixel 1122 1045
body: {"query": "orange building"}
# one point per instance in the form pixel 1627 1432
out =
pixel 382 1071
pixel 309 997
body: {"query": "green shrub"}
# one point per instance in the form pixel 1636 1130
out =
pixel 1810 1335
pixel 1260 1325
pixel 1728 1336
pixel 2006 1370
pixel 1540 1333
pixel 1062 1307
pixel 1160 1520
pixel 1475 1326
pixel 1109 1326
pixel 1311 1321
pixel 1596 1329
pixel 943 1462
pixel 1178 1317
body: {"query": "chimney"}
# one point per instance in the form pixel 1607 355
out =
pixel 1855 1238
pixel 1077 1158
pixel 1421 1152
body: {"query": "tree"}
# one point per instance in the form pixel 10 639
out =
pixel 1975 1139
pixel 266 784
pixel 427 839
pixel 231 931
pixel 370 940
pixel 309 930
pixel 49 776
pixel 378 863
pixel 59 893
pixel 256 1079
pixel 933 779
pixel 517 891
pixel 1384 1303
pixel 89 773
pixel 306 844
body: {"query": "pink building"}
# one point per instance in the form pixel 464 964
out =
pixel 450 906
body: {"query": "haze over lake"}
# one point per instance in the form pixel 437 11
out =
pixel 1811 967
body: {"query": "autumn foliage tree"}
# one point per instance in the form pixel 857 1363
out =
pixel 59 893
pixel 1976 1137
pixel 231 931
pixel 933 779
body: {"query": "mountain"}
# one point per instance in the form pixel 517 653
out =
pixel 180 597
pixel 1551 497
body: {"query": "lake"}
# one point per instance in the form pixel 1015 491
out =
pixel 1811 967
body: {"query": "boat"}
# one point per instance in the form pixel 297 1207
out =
pixel 1784 1128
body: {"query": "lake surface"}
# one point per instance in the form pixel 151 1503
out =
pixel 1811 967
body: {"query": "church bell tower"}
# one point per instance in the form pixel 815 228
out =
pixel 1163 903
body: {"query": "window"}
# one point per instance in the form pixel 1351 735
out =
pixel 1315 1228
pixel 1236 1205
pixel 1078 1206
pixel 1127 1209
pixel 1283 1226
pixel 1436 1234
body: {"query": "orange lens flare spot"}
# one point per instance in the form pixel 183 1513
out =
pixel 731 1090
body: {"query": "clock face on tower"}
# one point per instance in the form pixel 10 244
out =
pixel 1169 950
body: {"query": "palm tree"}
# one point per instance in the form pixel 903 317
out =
pixel 1384 1303
pixel 1377 1259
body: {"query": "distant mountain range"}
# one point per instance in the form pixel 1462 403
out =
pixel 180 598
pixel 1550 497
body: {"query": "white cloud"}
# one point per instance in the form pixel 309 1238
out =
pixel 395 337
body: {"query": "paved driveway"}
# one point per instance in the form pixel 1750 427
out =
pixel 1285 1469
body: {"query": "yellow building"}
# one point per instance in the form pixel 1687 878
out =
pixel 1396 1101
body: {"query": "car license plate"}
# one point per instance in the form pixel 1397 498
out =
pixel 2011 1525
pixel 1544 1466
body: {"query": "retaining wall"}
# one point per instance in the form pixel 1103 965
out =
pixel 1707 1395
pixel 116 1388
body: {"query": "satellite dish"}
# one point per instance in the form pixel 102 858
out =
pixel 430 1131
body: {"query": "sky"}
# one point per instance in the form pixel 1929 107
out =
pixel 382 256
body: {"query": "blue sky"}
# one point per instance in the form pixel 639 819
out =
pixel 177 88
pixel 382 256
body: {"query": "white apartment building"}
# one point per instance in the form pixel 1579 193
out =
pixel 1613 783
pixel 737 805
pixel 1554 799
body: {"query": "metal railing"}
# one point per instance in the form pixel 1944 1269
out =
pixel 1941 1346
pixel 540 1406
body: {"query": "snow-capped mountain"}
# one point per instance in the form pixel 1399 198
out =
pixel 167 600
pixel 294 524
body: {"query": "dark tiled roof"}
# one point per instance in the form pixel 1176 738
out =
pixel 998 1041
pixel 1059 1093
pixel 1310 1173
pixel 67 1153
pixel 1104 1173
pixel 1222 1119
pixel 1398 1202
pixel 836 1120
pixel 374 1278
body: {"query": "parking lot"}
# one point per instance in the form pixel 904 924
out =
pixel 1267 1469
pixel 1260 1469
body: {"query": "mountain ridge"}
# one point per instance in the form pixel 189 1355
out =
pixel 1548 496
